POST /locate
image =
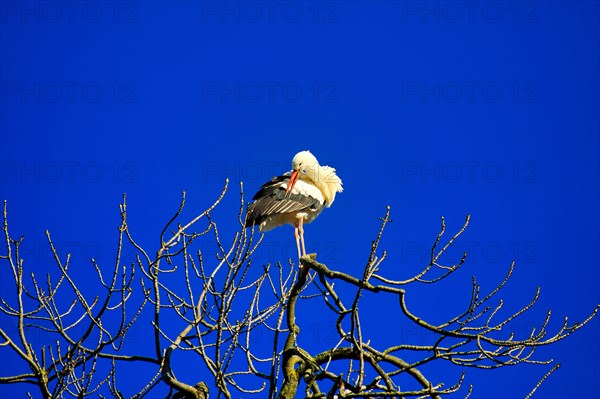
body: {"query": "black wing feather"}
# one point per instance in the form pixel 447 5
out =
pixel 267 188
pixel 271 199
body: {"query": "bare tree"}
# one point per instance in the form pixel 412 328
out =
pixel 187 302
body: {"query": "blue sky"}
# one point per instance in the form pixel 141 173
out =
pixel 434 108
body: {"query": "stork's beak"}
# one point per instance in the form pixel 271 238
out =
pixel 293 179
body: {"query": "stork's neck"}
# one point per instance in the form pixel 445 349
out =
pixel 326 180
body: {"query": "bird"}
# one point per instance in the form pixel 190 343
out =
pixel 296 197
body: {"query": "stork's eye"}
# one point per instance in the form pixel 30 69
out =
pixel 303 170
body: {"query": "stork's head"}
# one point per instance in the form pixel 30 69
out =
pixel 303 162
pixel 323 177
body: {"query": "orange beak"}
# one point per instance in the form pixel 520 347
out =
pixel 293 179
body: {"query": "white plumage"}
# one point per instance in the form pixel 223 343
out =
pixel 295 198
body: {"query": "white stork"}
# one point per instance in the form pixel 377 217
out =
pixel 295 198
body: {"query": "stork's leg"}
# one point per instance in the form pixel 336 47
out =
pixel 297 236
pixel 301 231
